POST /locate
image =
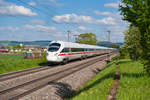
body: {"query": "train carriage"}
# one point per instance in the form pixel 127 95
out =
pixel 59 51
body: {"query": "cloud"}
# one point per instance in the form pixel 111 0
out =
pixel 14 10
pixel 36 21
pixel 40 28
pixel 73 18
pixel 83 28
pixel 51 3
pixel 55 3
pixel 49 31
pixel 102 13
pixel 111 5
pixel 9 28
pixel 113 17
pixel 32 3
pixel 2 2
pixel 116 29
pixel 30 33
pixel 107 20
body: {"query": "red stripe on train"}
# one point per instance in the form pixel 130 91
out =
pixel 77 53
pixel 62 54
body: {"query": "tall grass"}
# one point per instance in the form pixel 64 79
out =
pixel 11 63
pixel 12 56
pixel 98 87
pixel 134 83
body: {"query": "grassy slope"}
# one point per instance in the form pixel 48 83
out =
pixel 11 63
pixel 97 88
pixel 134 84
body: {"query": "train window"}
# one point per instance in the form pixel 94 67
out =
pixel 54 47
pixel 90 49
pixel 85 49
pixel 77 49
pixel 74 50
pixel 65 50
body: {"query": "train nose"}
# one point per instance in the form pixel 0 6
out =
pixel 52 57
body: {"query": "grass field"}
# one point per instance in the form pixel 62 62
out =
pixel 12 56
pixel 97 88
pixel 134 83
pixel 11 63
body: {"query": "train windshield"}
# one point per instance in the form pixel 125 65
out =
pixel 54 47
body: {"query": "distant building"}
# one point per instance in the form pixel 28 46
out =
pixel 3 50
pixel 21 44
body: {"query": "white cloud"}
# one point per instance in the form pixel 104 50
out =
pixel 40 28
pixel 102 13
pixel 73 18
pixel 115 18
pixel 76 32
pixel 111 5
pixel 9 28
pixel 55 3
pixel 107 20
pixel 2 2
pixel 36 21
pixel 32 3
pixel 49 31
pixel 13 10
pixel 51 3
pixel 83 28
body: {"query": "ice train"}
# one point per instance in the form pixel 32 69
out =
pixel 62 52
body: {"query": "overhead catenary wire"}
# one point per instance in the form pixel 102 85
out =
pixel 42 11
pixel 38 9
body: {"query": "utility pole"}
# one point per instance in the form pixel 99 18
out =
pixel 108 56
pixel 68 35
pixel 76 37
pixel 108 35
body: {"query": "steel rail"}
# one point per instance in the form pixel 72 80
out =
pixel 11 75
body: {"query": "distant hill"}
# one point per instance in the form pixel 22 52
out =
pixel 108 44
pixel 119 43
pixel 46 42
pixel 37 43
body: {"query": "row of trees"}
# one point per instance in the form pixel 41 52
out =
pixel 87 38
pixel 137 41
pixel 90 38
pixel 131 46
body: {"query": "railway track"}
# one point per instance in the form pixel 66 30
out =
pixel 7 76
pixel 11 75
pixel 21 90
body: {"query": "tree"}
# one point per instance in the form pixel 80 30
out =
pixel 115 46
pixel 132 42
pixel 17 47
pixel 137 12
pixel 87 38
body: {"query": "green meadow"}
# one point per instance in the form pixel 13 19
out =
pixel 11 63
pixel 134 83
pixel 98 87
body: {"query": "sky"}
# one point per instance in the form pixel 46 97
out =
pixel 30 20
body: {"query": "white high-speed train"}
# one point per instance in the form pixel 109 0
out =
pixel 59 51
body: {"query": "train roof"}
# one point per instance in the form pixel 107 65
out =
pixel 78 45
